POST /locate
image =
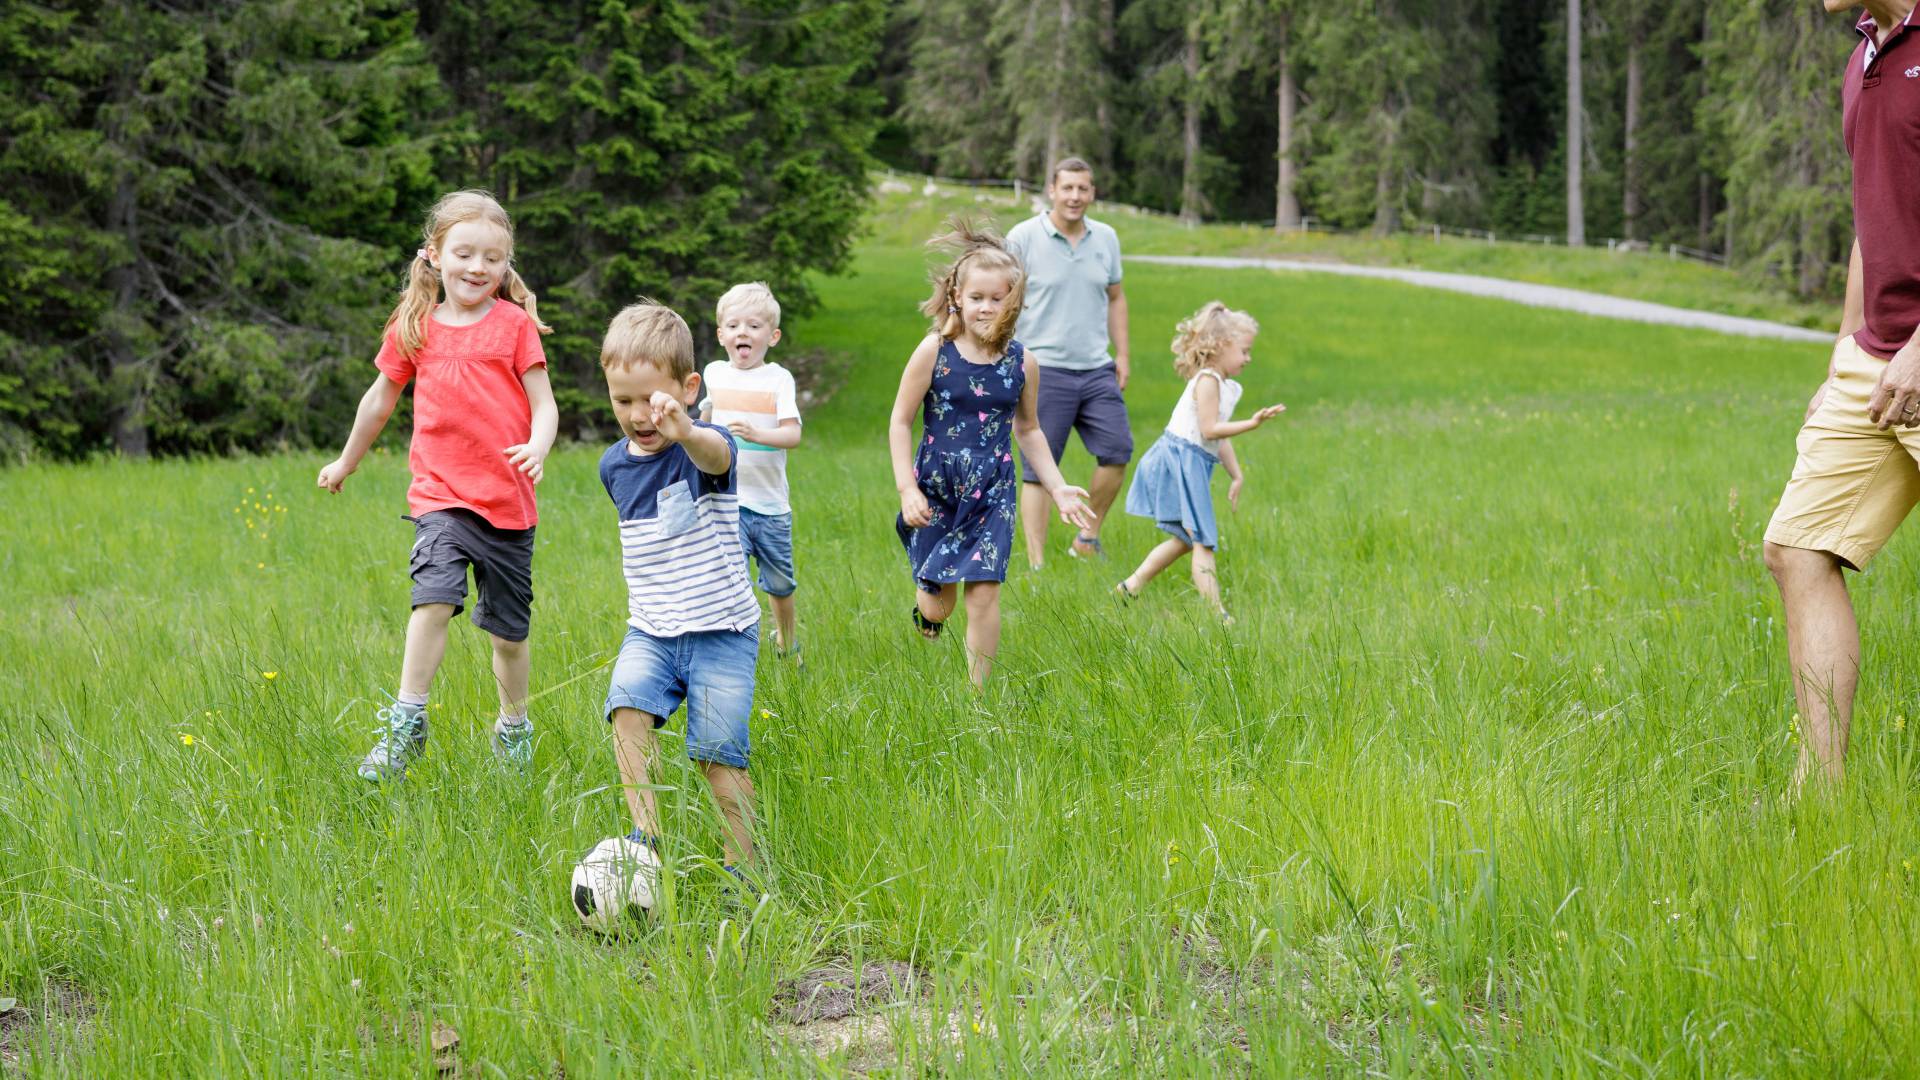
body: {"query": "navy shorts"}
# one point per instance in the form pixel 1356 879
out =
pixel 710 670
pixel 768 538
pixel 447 542
pixel 1088 402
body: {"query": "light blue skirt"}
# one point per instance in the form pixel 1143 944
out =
pixel 1172 488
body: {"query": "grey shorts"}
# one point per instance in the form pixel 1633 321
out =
pixel 447 542
pixel 1088 402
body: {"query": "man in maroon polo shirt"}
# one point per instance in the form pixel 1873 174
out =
pixel 1858 470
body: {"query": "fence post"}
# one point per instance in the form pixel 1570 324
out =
pixel 1436 233
pixel 1673 252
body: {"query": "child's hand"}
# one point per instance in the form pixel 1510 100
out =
pixel 1233 493
pixel 523 457
pixel 914 509
pixel 1074 510
pixel 1268 413
pixel 670 417
pixel 334 473
pixel 743 430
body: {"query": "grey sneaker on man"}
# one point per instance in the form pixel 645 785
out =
pixel 403 737
pixel 513 743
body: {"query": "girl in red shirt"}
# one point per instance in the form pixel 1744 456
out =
pixel 483 421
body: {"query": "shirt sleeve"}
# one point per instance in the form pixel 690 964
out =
pixel 391 362
pixel 528 353
pixel 787 399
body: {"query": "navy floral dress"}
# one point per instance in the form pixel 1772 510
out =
pixel 965 469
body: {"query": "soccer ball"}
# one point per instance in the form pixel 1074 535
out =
pixel 615 879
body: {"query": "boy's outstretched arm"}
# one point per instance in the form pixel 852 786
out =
pixel 706 447
pixel 375 406
pixel 784 437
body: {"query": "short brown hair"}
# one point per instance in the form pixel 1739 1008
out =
pixel 648 333
pixel 1069 164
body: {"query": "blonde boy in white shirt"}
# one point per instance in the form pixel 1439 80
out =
pixel 755 400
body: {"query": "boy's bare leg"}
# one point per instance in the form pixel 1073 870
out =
pixel 1036 508
pixel 636 749
pixel 1823 649
pixel 1162 556
pixel 783 621
pixel 426 647
pixel 1205 579
pixel 733 794
pixel 983 629
pixel 511 661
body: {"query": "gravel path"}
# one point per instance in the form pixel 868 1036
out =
pixel 1520 292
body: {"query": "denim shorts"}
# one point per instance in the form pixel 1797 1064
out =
pixel 1088 402
pixel 710 670
pixel 769 539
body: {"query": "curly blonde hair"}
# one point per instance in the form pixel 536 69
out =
pixel 422 290
pixel 1199 338
pixel 975 247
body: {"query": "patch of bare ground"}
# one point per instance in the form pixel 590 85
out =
pixel 838 1008
pixel 406 1030
pixel 58 1020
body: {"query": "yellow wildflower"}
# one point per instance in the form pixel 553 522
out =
pixel 269 675
pixel 186 739
pixel 1899 723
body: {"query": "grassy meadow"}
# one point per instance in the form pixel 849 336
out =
pixel 1483 782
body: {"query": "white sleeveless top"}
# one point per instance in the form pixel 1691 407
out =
pixel 1186 417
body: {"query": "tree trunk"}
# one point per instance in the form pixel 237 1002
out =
pixel 1102 112
pixel 1576 136
pixel 1630 167
pixel 124 381
pixel 1386 209
pixel 1190 129
pixel 1063 34
pixel 1286 204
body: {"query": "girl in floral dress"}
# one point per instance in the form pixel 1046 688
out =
pixel 975 390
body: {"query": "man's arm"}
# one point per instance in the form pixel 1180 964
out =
pixel 1117 333
pixel 1853 313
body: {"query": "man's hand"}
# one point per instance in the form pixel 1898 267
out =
pixel 334 473
pixel 1896 398
pixel 670 417
pixel 523 457
pixel 914 509
pixel 1122 369
pixel 1233 492
pixel 1819 396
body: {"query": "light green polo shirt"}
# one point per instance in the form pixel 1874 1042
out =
pixel 1064 323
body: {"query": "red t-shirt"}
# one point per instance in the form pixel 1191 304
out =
pixel 468 407
pixel 1881 123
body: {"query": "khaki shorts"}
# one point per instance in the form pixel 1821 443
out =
pixel 1852 483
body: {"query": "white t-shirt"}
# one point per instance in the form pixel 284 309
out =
pixel 1186 415
pixel 763 397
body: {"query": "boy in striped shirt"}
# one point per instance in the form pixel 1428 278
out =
pixel 693 623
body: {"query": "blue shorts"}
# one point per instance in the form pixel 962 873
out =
pixel 769 539
pixel 1088 402
pixel 712 671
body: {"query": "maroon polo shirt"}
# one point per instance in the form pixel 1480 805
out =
pixel 1881 110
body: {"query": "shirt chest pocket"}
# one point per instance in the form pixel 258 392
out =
pixel 673 507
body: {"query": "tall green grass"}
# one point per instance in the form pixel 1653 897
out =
pixel 1485 780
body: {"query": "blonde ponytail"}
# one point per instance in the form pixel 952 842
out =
pixel 408 322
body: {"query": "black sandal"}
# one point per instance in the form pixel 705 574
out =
pixel 927 627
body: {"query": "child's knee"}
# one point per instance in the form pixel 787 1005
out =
pixel 937 606
pixel 509 650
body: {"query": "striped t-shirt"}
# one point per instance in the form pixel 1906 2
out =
pixel 679 541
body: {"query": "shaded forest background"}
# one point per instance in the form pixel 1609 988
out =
pixel 207 207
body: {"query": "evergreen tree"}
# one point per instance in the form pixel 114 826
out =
pixel 1773 105
pixel 952 93
pixel 1054 80
pixel 200 204
pixel 668 151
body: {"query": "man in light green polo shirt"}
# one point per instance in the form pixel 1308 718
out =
pixel 1075 309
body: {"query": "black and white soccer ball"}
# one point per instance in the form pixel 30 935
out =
pixel 618 879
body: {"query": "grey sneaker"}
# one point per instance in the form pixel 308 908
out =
pixel 403 737
pixel 513 743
